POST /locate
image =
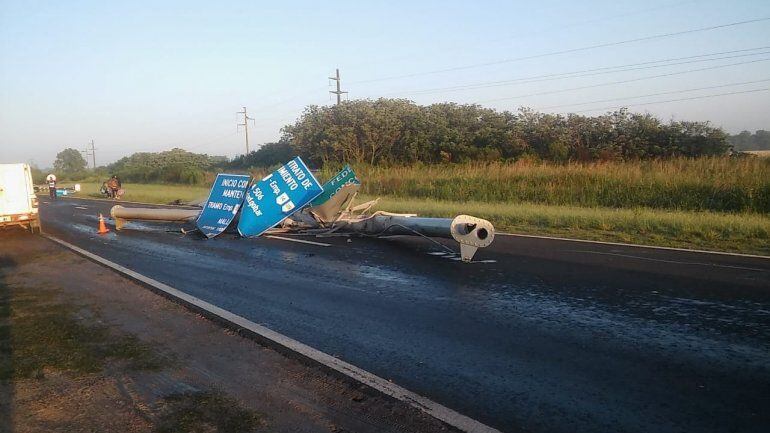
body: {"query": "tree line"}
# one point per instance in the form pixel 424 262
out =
pixel 397 131
pixel 759 140
pixel 172 166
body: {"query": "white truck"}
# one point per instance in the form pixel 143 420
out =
pixel 18 202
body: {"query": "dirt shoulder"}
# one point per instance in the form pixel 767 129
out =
pixel 84 349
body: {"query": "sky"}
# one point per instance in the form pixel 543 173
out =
pixel 151 76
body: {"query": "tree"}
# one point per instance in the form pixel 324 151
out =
pixel 268 155
pixel 69 162
pixel 760 140
pixel 398 131
pixel 173 166
pixel 38 175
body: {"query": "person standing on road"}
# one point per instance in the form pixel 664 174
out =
pixel 51 180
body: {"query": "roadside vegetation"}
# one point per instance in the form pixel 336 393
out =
pixel 747 141
pixel 721 184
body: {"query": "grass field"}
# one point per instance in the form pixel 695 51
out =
pixel 148 193
pixel 715 184
pixel 712 203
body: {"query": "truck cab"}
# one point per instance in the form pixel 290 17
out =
pixel 18 202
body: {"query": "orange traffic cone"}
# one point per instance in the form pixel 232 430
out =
pixel 102 227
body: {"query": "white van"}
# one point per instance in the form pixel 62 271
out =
pixel 18 202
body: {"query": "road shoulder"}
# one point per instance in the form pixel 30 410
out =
pixel 203 358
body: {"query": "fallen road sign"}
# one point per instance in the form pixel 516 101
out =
pixel 277 196
pixel 223 203
pixel 332 187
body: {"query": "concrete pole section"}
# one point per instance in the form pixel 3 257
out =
pixel 472 233
pixel 120 214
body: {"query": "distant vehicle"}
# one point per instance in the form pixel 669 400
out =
pixel 18 202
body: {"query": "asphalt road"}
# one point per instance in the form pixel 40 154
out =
pixel 539 335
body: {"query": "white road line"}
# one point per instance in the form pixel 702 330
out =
pixel 80 207
pixel 436 410
pixel 320 244
pixel 620 244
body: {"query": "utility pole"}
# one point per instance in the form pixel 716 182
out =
pixel 245 125
pixel 337 92
pixel 93 153
pixel 90 152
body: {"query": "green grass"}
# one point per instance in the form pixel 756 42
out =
pixel 149 193
pixel 38 332
pixel 744 233
pixel 715 184
pixel 205 411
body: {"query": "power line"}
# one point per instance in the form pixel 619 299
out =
pixel 337 92
pixel 654 94
pixel 649 77
pixel 550 29
pixel 465 44
pixel 560 52
pixel 588 72
pixel 290 98
pixel 680 99
pixel 214 140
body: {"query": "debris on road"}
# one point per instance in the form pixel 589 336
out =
pixel 292 199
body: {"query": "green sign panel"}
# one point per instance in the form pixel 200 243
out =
pixel 332 187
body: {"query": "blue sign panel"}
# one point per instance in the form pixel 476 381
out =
pixel 276 197
pixel 344 177
pixel 224 201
